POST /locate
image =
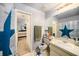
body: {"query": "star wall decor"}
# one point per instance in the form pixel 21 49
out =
pixel 5 37
pixel 66 32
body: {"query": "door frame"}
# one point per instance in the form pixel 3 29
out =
pixel 16 40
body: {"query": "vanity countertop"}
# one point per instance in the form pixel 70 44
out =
pixel 70 47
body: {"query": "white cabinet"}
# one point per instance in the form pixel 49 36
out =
pixel 56 51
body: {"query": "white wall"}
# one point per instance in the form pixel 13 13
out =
pixel 72 23
pixel 4 11
pixel 37 18
pixel 51 21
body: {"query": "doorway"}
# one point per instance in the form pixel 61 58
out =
pixel 22 33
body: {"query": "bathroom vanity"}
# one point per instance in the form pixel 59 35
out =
pixel 61 48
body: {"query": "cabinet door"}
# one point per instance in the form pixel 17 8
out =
pixel 56 51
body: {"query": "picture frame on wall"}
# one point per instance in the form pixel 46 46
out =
pixel 37 33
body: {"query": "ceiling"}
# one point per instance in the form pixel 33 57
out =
pixel 69 13
pixel 48 8
pixel 43 6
